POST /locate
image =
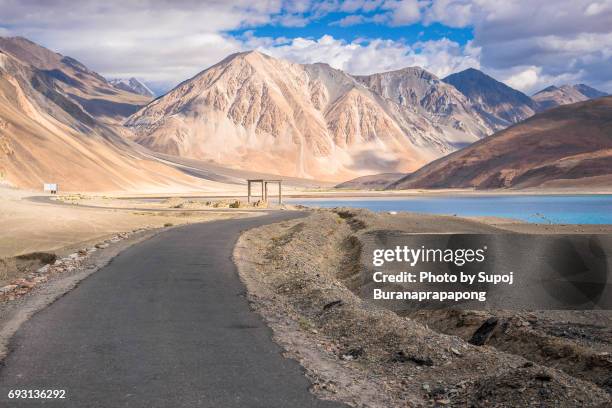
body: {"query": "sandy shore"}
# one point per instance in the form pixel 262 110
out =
pixel 238 191
pixel 29 226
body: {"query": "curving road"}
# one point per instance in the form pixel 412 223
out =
pixel 165 324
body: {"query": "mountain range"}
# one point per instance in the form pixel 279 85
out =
pixel 80 85
pixel 61 121
pixel 566 146
pixel 312 121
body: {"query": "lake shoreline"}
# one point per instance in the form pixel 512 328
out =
pixel 538 209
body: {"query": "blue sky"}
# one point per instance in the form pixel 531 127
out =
pixel 527 44
pixel 328 25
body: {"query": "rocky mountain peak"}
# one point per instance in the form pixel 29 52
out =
pixel 554 96
pixel 495 99
pixel 132 85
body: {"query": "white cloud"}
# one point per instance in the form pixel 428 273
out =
pixel 350 20
pixel 531 79
pixel 550 39
pixel 524 42
pixel 450 12
pixel 375 55
pixel 351 6
pixel 403 12
pixel 157 40
pixel 596 8
pixel 525 79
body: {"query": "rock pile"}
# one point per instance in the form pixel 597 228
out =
pixel 22 286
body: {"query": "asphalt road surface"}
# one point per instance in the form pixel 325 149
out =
pixel 165 324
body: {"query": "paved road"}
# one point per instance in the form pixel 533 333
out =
pixel 165 324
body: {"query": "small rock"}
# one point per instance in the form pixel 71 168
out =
pixel 543 377
pixel 352 354
pixel 480 336
pixel 8 288
pixel 401 357
pixel 102 245
pixel 44 269
pixel 27 284
pixel 332 304
pixel 438 392
pixel 456 352
pixel 426 387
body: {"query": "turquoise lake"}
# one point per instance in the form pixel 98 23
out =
pixel 548 209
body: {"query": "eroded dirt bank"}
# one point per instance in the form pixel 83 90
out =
pixel 303 276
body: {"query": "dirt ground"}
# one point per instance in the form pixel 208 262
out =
pixel 34 233
pixel 302 277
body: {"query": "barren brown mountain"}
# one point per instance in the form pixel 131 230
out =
pixel 554 96
pixel 568 146
pixel 371 182
pixel 75 81
pixel 425 94
pixel 45 136
pixel 261 113
pixel 497 101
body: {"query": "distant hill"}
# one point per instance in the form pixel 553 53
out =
pixel 371 182
pixel 503 105
pixel 554 96
pixel 132 85
pixel 567 146
pixel 589 92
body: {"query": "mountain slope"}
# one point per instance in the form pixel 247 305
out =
pixel 371 182
pixel 569 145
pixel 132 85
pixel 589 92
pixel 80 85
pixel 502 104
pixel 254 111
pixel 422 92
pixel 46 137
pixel 554 96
